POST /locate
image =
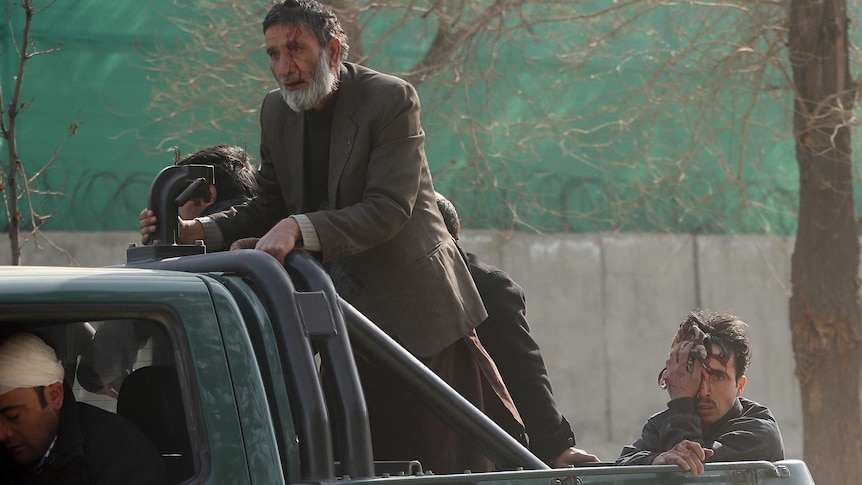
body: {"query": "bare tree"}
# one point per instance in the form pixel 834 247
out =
pixel 19 187
pixel 826 317
pixel 504 73
pixel 665 115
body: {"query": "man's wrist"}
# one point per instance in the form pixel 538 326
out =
pixel 206 229
pixel 308 238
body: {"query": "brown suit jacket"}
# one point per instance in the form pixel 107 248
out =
pixel 384 223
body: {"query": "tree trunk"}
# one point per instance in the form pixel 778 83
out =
pixel 12 188
pixel 825 309
pixel 14 215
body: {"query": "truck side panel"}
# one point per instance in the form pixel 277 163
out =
pixel 250 398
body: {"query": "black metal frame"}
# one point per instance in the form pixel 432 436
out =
pixel 307 314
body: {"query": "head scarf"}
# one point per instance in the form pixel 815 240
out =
pixel 26 361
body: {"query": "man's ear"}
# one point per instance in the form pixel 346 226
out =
pixel 54 396
pixel 213 196
pixel 740 384
pixel 333 53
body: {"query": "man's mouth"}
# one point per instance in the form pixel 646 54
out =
pixel 703 406
pixel 294 85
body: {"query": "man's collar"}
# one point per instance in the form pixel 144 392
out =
pixel 735 411
pixel 69 438
pixel 47 454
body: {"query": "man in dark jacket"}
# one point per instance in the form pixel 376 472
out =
pixel 343 175
pixel 707 419
pixel 111 354
pixel 234 182
pixel 48 438
pixel 505 334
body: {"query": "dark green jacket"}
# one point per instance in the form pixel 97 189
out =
pixel 747 432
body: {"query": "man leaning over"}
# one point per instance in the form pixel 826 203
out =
pixel 505 334
pixel 343 175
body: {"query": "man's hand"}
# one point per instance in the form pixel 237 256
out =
pixel 281 239
pixel 680 381
pixel 148 225
pixel 573 456
pixel 244 243
pixel 189 231
pixel 689 455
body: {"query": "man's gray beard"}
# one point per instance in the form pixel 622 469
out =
pixel 321 84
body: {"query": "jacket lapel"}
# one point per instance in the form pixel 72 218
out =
pixel 343 132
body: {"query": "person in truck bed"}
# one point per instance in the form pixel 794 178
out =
pixel 109 358
pixel 343 174
pixel 707 419
pixel 505 334
pixel 48 437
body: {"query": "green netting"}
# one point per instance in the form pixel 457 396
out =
pixel 561 134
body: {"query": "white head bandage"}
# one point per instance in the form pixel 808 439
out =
pixel 26 361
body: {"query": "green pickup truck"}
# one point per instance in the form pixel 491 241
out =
pixel 216 357
pixel 227 384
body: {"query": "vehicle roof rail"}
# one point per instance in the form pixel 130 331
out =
pixel 172 187
pixel 321 305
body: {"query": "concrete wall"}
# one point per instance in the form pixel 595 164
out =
pixel 604 309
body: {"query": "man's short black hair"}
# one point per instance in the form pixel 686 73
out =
pixel 234 174
pixel 728 333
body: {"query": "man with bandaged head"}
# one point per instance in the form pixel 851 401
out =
pixel 49 438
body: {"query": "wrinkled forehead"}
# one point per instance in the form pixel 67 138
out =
pixel 285 34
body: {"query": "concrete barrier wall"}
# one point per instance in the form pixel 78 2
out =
pixel 604 309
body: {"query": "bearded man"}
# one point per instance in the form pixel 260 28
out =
pixel 344 176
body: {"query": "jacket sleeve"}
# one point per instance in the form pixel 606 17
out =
pixel 754 435
pixel 642 451
pixel 505 335
pixel 257 216
pixel 117 452
pixel 664 431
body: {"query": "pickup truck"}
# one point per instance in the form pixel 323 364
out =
pixel 217 358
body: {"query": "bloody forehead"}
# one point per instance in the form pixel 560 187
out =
pixel 285 33
pixel 292 32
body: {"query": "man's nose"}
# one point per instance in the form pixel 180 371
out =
pixel 284 66
pixel 4 431
pixel 704 389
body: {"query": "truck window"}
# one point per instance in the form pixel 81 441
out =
pixel 128 367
